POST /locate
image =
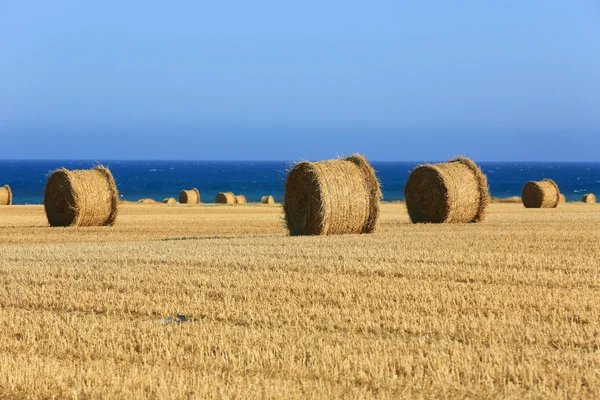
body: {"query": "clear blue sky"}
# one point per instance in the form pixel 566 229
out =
pixel 421 80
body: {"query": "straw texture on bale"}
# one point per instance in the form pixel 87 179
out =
pixel 589 198
pixel 5 196
pixel 240 199
pixel 147 201
pixel 332 197
pixel 541 194
pixel 452 192
pixel 81 198
pixel 225 198
pixel 562 199
pixel 169 200
pixel 189 196
pixel 267 200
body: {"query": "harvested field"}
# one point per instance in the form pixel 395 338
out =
pixel 508 308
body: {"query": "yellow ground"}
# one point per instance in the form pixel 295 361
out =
pixel 509 308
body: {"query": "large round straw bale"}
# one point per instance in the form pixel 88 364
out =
pixel 225 198
pixel 452 192
pixel 240 199
pixel 332 197
pixel 81 198
pixel 562 199
pixel 589 198
pixel 169 200
pixel 189 196
pixel 541 194
pixel 5 196
pixel 267 200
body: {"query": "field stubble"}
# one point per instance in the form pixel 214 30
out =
pixel 508 308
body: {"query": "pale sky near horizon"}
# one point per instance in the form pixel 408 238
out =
pixel 494 80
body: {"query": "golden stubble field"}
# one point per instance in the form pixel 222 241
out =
pixel 509 308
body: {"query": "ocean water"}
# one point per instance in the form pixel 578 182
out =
pixel 254 179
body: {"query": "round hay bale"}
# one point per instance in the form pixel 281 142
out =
pixel 332 197
pixel 169 200
pixel 81 198
pixel 225 198
pixel 541 194
pixel 5 196
pixel 589 198
pixel 147 201
pixel 189 196
pixel 240 199
pixel 562 199
pixel 452 192
pixel 267 200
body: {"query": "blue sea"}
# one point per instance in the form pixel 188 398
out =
pixel 254 179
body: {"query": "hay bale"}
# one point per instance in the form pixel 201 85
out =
pixel 452 192
pixel 267 200
pixel 562 199
pixel 225 198
pixel 189 196
pixel 541 194
pixel 589 198
pixel 81 198
pixel 240 199
pixel 169 200
pixel 147 201
pixel 5 196
pixel 332 197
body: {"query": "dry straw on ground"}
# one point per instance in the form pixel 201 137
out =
pixel 455 191
pixel 562 199
pixel 5 196
pixel 589 198
pixel 147 201
pixel 189 196
pixel 332 197
pixel 81 197
pixel 240 199
pixel 169 200
pixel 225 198
pixel 541 194
pixel 267 200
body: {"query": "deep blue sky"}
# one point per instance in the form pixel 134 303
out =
pixel 421 80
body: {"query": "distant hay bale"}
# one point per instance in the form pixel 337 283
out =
pixel 562 199
pixel 169 200
pixel 225 198
pixel 147 201
pixel 81 198
pixel 5 196
pixel 452 192
pixel 267 200
pixel 589 198
pixel 189 196
pixel 332 197
pixel 512 199
pixel 541 194
pixel 240 199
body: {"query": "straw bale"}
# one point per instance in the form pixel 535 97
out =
pixel 452 192
pixel 225 198
pixel 541 194
pixel 589 198
pixel 189 196
pixel 562 199
pixel 81 198
pixel 240 199
pixel 6 196
pixel 267 200
pixel 332 197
